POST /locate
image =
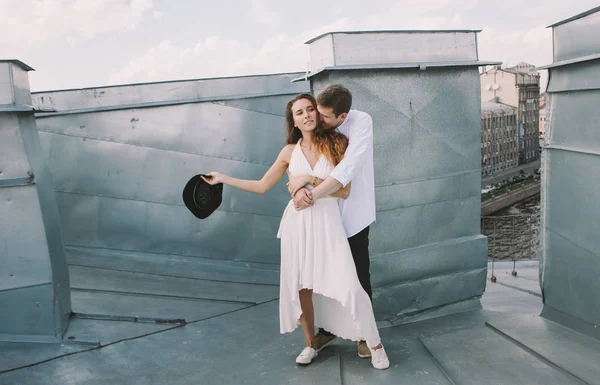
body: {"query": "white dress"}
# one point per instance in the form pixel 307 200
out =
pixel 315 254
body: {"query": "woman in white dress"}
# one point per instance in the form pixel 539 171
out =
pixel 319 284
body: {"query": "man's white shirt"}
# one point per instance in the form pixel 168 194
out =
pixel 358 210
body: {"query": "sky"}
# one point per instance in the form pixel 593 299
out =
pixel 88 43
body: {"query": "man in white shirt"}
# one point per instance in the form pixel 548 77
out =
pixel 358 210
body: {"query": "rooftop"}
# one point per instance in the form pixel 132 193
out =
pixel 494 106
pixel 236 340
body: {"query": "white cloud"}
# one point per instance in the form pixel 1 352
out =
pixel 212 57
pixel 157 15
pixel 24 24
pixel 264 14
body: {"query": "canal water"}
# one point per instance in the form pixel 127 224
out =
pixel 513 233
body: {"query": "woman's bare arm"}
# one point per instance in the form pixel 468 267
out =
pixel 271 177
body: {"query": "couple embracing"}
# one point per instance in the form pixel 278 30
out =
pixel 324 230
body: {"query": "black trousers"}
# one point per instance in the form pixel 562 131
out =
pixel 359 245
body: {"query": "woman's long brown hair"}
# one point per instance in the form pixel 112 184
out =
pixel 330 143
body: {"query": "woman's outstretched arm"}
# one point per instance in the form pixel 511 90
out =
pixel 271 177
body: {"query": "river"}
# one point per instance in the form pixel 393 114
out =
pixel 513 232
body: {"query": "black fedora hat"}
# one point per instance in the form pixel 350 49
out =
pixel 202 198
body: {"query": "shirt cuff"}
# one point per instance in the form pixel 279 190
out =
pixel 341 176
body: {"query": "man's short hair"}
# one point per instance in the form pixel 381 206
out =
pixel 337 97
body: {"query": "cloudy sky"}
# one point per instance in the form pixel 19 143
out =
pixel 84 43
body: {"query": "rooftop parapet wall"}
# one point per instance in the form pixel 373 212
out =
pixel 570 257
pixel 121 155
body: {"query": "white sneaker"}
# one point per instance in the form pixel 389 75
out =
pixel 379 359
pixel 306 356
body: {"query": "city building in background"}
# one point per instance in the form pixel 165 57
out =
pixel 499 137
pixel 542 127
pixel 517 86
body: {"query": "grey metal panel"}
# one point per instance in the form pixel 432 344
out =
pixel 570 279
pixel 6 88
pixel 388 47
pixel 487 357
pixel 34 281
pixel 434 222
pixel 570 262
pixel 410 65
pixel 380 48
pixel 394 31
pixel 432 189
pixel 175 265
pixel 86 278
pixel 562 63
pixel 13 159
pixel 120 224
pixel 22 95
pixel 51 219
pixel 138 162
pixel 416 368
pixel 428 293
pixel 433 260
pixel 129 305
pixel 202 129
pixel 426 246
pixel 577 37
pixel 427 123
pixel 582 106
pixel 28 311
pixel 322 53
pixel 244 86
pixel 567 349
pixel 575 77
pixel 24 259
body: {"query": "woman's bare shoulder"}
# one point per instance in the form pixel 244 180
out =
pixel 286 152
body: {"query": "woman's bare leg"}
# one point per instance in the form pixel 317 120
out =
pixel 307 319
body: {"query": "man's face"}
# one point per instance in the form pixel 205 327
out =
pixel 328 118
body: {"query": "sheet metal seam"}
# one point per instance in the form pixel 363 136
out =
pixel 436 362
pixel 154 148
pixel 572 149
pixel 537 355
pixel 26 286
pixel 134 106
pixel 571 242
pixel 218 261
pixel 430 276
pixel 165 204
pixel 138 294
pixel 174 276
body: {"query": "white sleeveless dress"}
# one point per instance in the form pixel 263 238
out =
pixel 315 254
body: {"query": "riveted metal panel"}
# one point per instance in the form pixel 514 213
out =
pixel 23 261
pixel 28 311
pixel 119 175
